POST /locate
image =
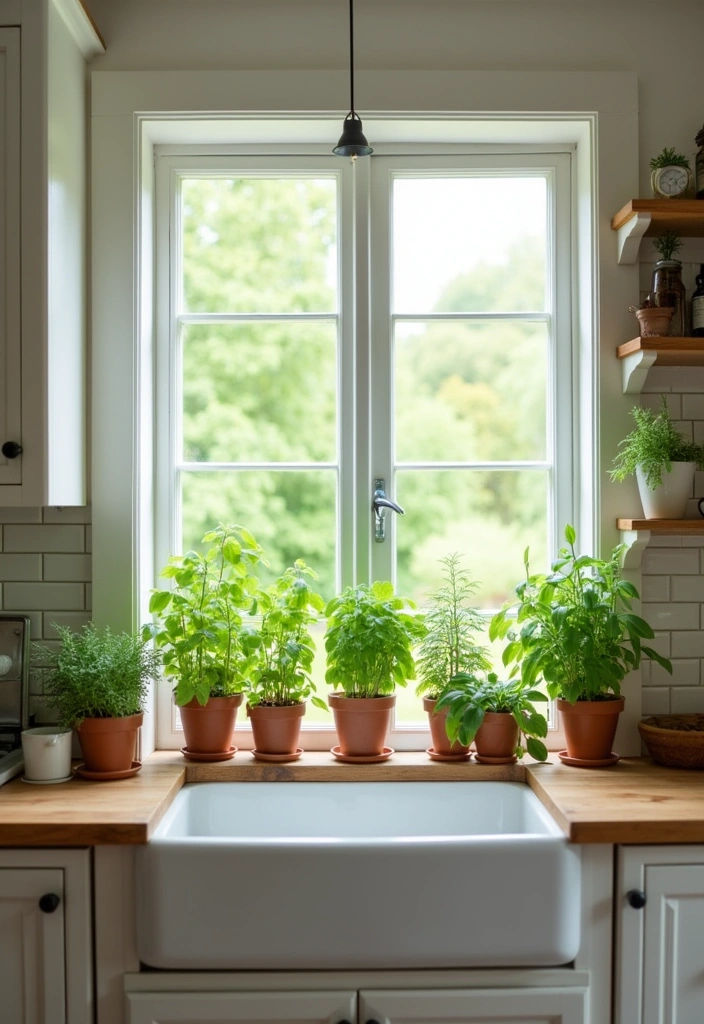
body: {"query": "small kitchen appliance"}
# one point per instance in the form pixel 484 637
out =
pixel 14 687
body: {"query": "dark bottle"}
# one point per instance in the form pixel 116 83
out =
pixel 699 164
pixel 698 305
pixel 667 290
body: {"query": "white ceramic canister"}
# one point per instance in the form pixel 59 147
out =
pixel 47 754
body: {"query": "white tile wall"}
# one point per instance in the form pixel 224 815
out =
pixel 672 584
pixel 45 573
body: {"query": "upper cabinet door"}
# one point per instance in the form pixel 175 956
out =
pixel 10 365
pixel 32 960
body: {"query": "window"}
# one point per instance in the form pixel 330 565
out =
pixel 323 325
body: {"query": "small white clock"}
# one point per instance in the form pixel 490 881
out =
pixel 672 182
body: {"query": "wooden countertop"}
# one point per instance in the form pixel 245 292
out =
pixel 635 801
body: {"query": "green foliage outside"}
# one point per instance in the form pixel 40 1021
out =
pixel 96 673
pixel 266 391
pixel 467 699
pixel 369 640
pixel 653 446
pixel 574 628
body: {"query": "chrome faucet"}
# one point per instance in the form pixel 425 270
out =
pixel 380 504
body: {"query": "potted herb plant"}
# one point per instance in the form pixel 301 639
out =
pixel 281 682
pixel 97 681
pixel 575 629
pixel 448 648
pixel 208 639
pixel 496 714
pixel 662 460
pixel 653 321
pixel 369 645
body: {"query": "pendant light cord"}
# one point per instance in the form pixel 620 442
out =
pixel 352 56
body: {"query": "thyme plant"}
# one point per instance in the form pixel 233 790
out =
pixel 653 446
pixel 667 244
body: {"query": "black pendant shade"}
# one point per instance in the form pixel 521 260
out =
pixel 352 141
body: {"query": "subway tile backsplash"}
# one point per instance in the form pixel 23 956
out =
pixel 45 573
pixel 672 586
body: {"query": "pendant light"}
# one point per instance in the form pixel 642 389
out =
pixel 352 141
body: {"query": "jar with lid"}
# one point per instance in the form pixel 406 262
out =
pixel 668 290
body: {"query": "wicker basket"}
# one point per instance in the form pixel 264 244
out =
pixel 674 740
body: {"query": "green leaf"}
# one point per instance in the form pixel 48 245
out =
pixel 536 749
pixel 570 535
pixel 159 600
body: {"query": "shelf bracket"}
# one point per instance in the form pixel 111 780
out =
pixel 636 542
pixel 634 370
pixel 629 235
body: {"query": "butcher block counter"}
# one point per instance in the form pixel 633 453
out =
pixel 635 801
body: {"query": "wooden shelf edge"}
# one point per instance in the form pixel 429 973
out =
pixel 661 211
pixel 676 526
pixel 693 347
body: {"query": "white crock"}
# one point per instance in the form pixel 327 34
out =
pixel 47 753
pixel 669 499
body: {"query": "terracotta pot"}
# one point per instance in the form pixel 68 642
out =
pixel 208 728
pixel 669 499
pixel 654 321
pixel 438 731
pixel 361 723
pixel 276 729
pixel 109 744
pixel 590 727
pixel 497 737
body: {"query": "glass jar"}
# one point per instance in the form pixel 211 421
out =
pixel 668 290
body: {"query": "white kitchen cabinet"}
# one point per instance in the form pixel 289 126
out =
pixel 32 954
pixel 43 48
pixel 474 1006
pixel 660 972
pixel 241 1007
pixel 45 937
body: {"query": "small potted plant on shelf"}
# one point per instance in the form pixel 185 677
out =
pixel 448 648
pixel 207 637
pixel 575 629
pixel 97 681
pixel 653 321
pixel 662 460
pixel 495 713
pixel 369 645
pixel 280 683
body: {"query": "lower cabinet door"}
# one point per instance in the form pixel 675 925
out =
pixel 241 1007
pixel 474 1006
pixel 673 956
pixel 32 960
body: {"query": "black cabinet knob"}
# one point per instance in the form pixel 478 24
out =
pixel 11 449
pixel 49 902
pixel 636 898
pixel 372 1022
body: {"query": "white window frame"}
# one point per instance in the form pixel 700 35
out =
pixel 365 413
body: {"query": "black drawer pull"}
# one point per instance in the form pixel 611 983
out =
pixel 49 902
pixel 636 898
pixel 11 449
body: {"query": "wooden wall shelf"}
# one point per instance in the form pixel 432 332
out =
pixel 639 354
pixel 644 217
pixel 689 527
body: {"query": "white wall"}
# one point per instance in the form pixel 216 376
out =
pixel 661 40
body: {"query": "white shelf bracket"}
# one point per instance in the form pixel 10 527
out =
pixel 629 235
pixel 636 542
pixel 634 370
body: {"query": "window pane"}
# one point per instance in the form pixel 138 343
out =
pixel 469 244
pixel 292 515
pixel 488 517
pixel 260 392
pixel 264 245
pixel 470 391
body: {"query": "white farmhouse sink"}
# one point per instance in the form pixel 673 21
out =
pixel 323 875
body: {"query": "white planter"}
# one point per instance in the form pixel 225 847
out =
pixel 669 500
pixel 47 754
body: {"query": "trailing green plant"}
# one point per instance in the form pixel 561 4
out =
pixel 369 640
pixel 286 648
pixel 574 628
pixel 667 244
pixel 653 446
pixel 96 673
pixel 668 158
pixel 467 698
pixel 203 626
pixel 451 624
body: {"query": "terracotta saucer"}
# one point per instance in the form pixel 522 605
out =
pixel 434 756
pixel 578 762
pixel 277 758
pixel 483 759
pixel 363 759
pixel 108 776
pixel 221 755
pixel 46 782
